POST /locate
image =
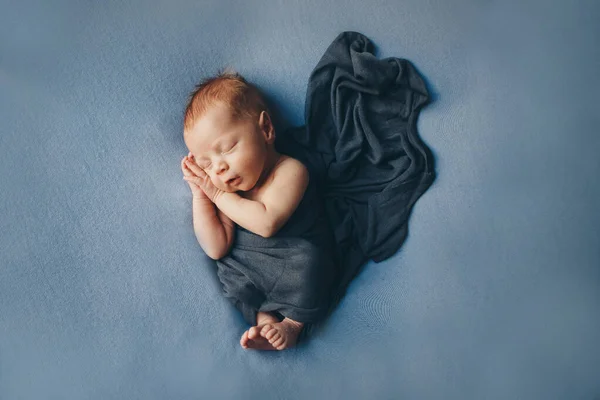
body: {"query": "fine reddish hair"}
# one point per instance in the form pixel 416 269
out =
pixel 228 88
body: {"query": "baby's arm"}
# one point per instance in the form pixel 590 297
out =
pixel 279 200
pixel 213 229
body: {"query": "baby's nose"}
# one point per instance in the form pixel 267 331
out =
pixel 221 167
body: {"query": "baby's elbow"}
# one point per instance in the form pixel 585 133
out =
pixel 217 254
pixel 266 233
pixel 269 229
pixel 214 255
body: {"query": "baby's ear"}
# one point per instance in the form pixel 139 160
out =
pixel 266 126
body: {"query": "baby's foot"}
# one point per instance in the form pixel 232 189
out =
pixel 251 339
pixel 281 335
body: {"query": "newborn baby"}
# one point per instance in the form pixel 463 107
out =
pixel 291 222
pixel 240 181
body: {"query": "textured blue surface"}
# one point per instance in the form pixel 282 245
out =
pixel 105 294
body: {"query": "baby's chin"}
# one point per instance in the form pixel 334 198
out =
pixel 230 190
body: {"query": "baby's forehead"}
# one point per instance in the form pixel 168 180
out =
pixel 218 122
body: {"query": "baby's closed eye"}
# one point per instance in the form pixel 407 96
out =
pixel 230 148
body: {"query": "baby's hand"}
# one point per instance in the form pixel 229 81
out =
pixel 200 179
pixel 187 172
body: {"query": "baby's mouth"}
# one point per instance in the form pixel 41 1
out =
pixel 232 180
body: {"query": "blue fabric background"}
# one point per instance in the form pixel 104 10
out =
pixel 105 294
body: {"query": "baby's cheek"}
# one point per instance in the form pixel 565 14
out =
pixel 244 164
pixel 216 183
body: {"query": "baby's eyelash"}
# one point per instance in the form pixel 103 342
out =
pixel 225 152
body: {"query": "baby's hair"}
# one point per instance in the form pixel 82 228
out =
pixel 229 88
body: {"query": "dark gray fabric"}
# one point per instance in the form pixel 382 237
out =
pixel 290 273
pixel 367 166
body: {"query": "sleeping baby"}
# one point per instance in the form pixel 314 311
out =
pixel 290 222
pixel 255 211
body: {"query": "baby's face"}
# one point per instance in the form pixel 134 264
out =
pixel 231 152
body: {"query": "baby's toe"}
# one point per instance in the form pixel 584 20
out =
pixel 253 332
pixel 278 344
pixel 272 333
pixel 244 340
pixel 264 331
pixel 282 346
pixel 274 337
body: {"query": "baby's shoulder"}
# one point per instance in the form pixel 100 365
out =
pixel 289 181
pixel 289 168
pixel 289 176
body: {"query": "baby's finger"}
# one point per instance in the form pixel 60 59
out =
pixel 196 180
pixel 194 168
pixel 201 173
pixel 191 158
pixel 187 172
pixel 192 179
pixel 184 167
